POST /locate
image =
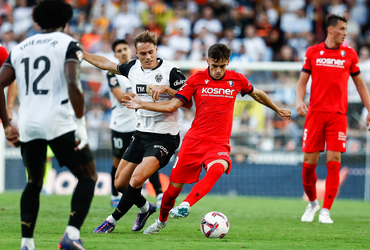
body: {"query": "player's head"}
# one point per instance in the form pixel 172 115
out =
pixel 122 51
pixel 218 58
pixel 337 28
pixel 52 14
pixel 146 49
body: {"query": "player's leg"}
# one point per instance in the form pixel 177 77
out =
pixel 215 170
pixel 115 197
pixel 34 158
pixel 336 138
pixel 82 164
pixel 154 179
pixel 313 141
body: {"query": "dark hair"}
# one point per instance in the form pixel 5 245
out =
pixel 332 20
pixel 119 41
pixel 219 51
pixel 52 14
pixel 145 37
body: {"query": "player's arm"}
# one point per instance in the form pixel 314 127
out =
pixel 166 106
pixel 101 62
pixel 261 97
pixel 300 92
pixel 176 80
pixel 364 94
pixel 116 88
pixel 12 93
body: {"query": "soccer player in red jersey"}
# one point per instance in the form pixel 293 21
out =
pixel 330 64
pixel 206 144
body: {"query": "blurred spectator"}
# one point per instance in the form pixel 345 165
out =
pixel 247 9
pixel 178 21
pixel 337 7
pixel 5 10
pixel 180 44
pixel 165 52
pixel 89 39
pixel 220 9
pixel 201 44
pixel 103 8
pixel 208 22
pixel 272 13
pixel 82 26
pixel 234 22
pixel 255 46
pixel 94 122
pixel 231 41
pixel 286 54
pixel 364 57
pixel 152 24
pixel 124 22
pixel 7 36
pixel 353 28
pixel 22 16
pixel 268 33
pixel 316 12
pixel 158 13
pixel 358 11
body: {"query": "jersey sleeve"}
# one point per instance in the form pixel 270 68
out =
pixel 247 86
pixel 3 55
pixel 8 61
pixel 124 68
pixel 355 67
pixel 186 91
pixel 74 52
pixel 112 80
pixel 307 67
pixel 177 79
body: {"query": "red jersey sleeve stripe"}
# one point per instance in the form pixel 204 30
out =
pixel 306 70
pixel 356 73
pixel 245 93
pixel 182 98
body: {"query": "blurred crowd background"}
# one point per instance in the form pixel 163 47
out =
pixel 255 30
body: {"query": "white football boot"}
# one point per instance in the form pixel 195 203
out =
pixel 311 209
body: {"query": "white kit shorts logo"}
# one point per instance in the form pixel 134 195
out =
pixel 161 147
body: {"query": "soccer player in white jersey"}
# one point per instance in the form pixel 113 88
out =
pixel 46 67
pixel 123 120
pixel 157 135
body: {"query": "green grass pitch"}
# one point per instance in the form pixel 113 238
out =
pixel 256 223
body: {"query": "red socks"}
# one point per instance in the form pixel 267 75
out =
pixel 309 178
pixel 332 183
pixel 206 184
pixel 168 201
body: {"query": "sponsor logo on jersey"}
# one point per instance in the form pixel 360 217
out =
pixel 206 81
pixel 141 89
pixel 342 136
pixel 219 92
pixel 113 81
pixel 231 83
pixel 158 77
pixel 178 82
pixel 342 52
pixel 330 62
pixel 80 55
pixel 321 52
pixel 162 148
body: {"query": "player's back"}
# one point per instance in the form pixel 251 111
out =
pixel 45 110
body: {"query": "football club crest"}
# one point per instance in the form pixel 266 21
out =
pixel 342 52
pixel 231 83
pixel 321 52
pixel 158 77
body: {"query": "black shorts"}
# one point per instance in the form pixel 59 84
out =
pixel 161 146
pixel 120 142
pixel 34 152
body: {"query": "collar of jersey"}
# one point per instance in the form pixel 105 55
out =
pixel 331 48
pixel 214 78
pixel 159 64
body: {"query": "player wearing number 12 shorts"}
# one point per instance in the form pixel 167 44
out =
pixel 330 64
pixel 206 144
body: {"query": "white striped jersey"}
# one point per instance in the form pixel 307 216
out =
pixel 122 119
pixel 45 111
pixel 165 73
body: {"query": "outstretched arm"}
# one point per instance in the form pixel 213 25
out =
pixel 364 94
pixel 261 97
pixel 300 93
pixel 167 106
pixel 101 62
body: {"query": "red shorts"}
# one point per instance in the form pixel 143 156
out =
pixel 324 127
pixel 195 154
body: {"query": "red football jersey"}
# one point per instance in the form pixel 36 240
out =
pixel 3 55
pixel 330 70
pixel 214 100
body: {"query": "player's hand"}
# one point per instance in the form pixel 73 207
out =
pixel 368 121
pixel 301 108
pixel 81 133
pixel 132 102
pixel 12 135
pixel 156 90
pixel 285 113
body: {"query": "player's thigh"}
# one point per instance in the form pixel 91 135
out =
pixel 188 162
pixel 162 147
pixel 120 142
pixel 80 162
pixel 135 151
pixel 34 159
pixel 216 152
pixel 336 133
pixel 313 139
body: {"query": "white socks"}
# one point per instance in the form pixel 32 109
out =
pixel 111 220
pixel 314 203
pixel 73 232
pixel 144 208
pixel 29 243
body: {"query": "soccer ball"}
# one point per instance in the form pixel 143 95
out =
pixel 215 225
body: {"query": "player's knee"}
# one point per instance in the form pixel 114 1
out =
pixel 137 181
pixel 120 186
